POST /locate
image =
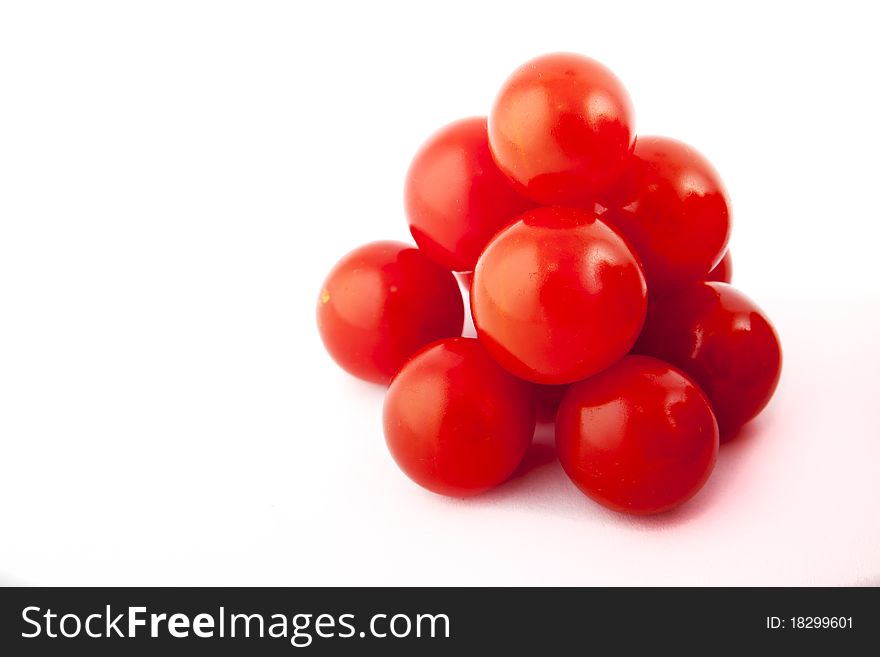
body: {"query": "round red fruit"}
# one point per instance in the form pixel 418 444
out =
pixel 557 296
pixel 561 128
pixel 381 303
pixel 723 341
pixel 455 422
pixel 639 437
pixel 673 208
pixel 456 198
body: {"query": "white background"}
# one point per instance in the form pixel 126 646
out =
pixel 177 177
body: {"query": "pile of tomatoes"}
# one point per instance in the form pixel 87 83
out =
pixel 598 280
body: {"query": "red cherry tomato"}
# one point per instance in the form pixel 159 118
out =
pixel 723 341
pixel 723 272
pixel 671 205
pixel 562 128
pixel 381 303
pixel 639 437
pixel 557 296
pixel 456 198
pixel 455 422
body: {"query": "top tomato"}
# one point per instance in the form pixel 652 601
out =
pixel 561 128
pixel 456 198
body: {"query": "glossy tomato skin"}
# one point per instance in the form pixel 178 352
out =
pixel 639 437
pixel 455 196
pixel 722 340
pixel 383 302
pixel 672 206
pixel 455 422
pixel 723 272
pixel 557 296
pixel 561 128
